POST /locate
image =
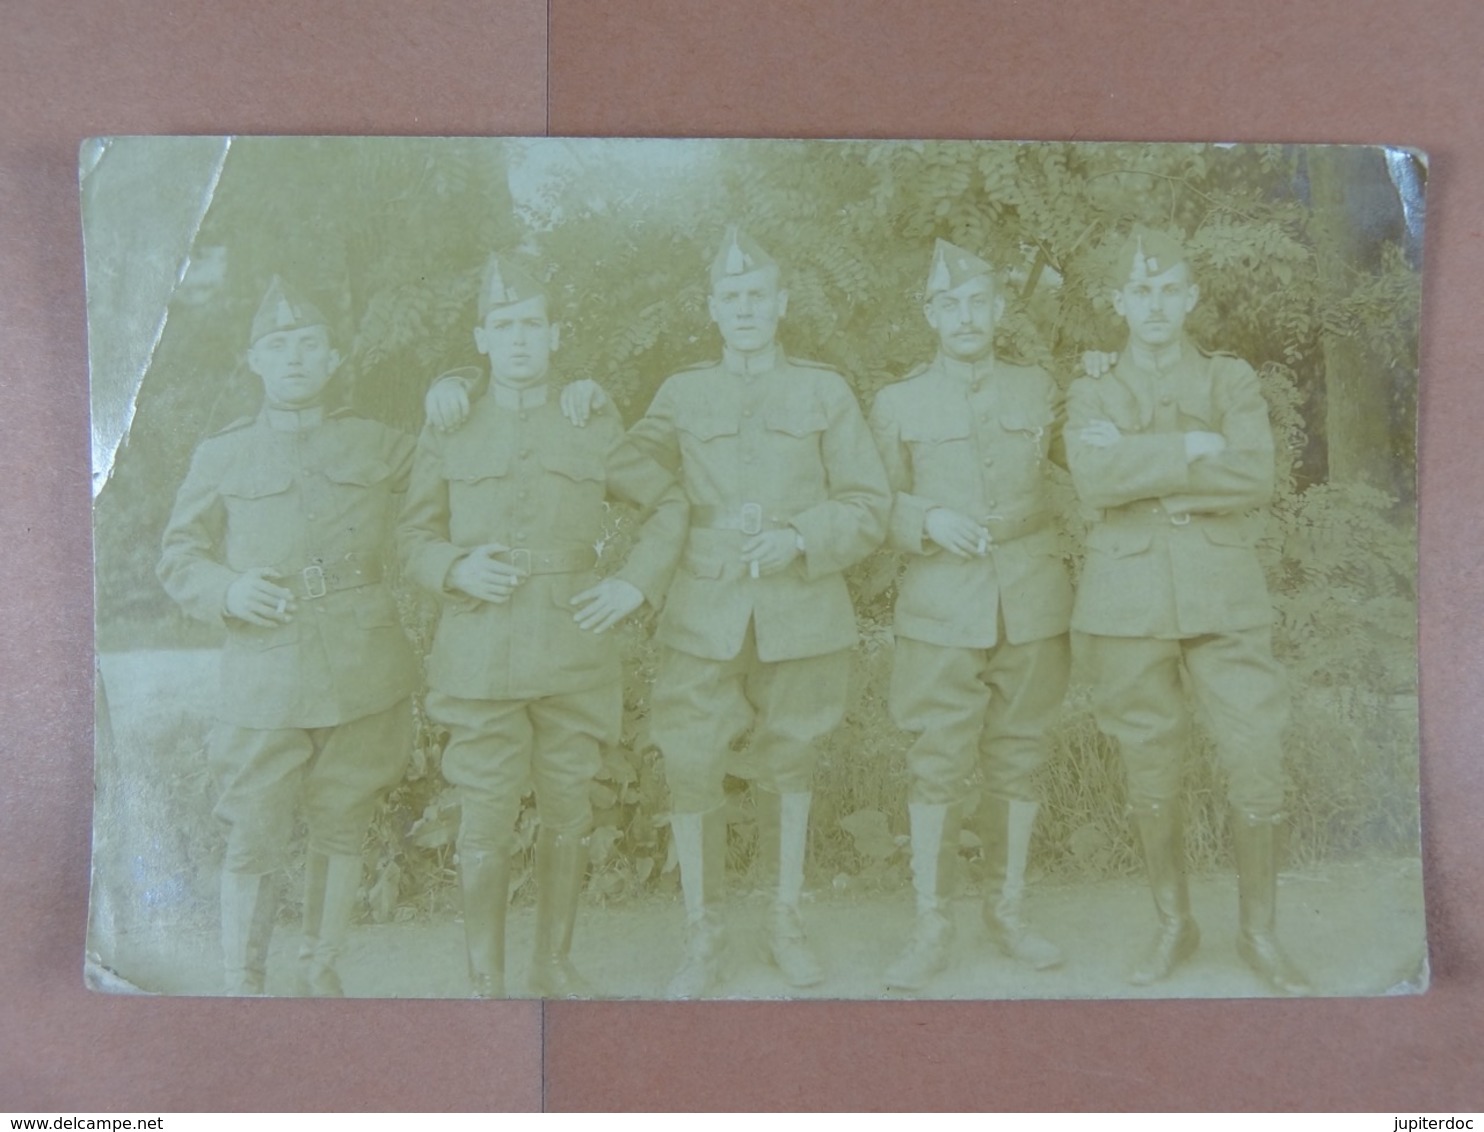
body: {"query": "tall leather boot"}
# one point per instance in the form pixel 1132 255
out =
pixel 342 886
pixel 700 845
pixel 246 904
pixel 561 865
pixel 788 946
pixel 1007 825
pixel 484 879
pixel 1255 841
pixel 260 931
pixel 314 909
pixel 932 933
pixel 1163 840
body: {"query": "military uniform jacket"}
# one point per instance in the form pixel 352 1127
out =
pixel 527 479
pixel 977 440
pixel 295 492
pixel 788 439
pixel 1172 552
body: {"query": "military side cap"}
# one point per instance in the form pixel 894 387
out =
pixel 952 267
pixel 284 309
pixel 1145 254
pixel 739 255
pixel 503 282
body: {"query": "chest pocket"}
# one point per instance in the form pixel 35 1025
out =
pixel 798 421
pixel 1031 423
pixel 1196 407
pixel 257 482
pixel 929 435
pixel 469 465
pixel 358 473
pixel 709 426
pixel 573 463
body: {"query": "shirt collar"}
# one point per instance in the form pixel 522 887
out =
pixel 294 420
pixel 749 365
pixel 526 397
pixel 970 374
pixel 1187 351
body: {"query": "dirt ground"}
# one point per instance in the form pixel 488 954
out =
pixel 1355 929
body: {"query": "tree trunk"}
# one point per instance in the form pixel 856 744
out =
pixel 1356 386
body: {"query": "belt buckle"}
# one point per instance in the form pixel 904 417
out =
pixel 520 558
pixel 314 581
pixel 1180 519
pixel 752 518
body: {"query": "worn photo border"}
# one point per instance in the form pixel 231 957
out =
pixel 1248 71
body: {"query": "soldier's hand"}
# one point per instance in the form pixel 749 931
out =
pixel 1198 444
pixel 256 600
pixel 606 604
pixel 1095 363
pixel 771 550
pixel 581 400
pixel 956 533
pixel 483 578
pixel 447 404
pixel 1100 434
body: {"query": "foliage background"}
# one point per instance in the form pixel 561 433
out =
pixel 1308 264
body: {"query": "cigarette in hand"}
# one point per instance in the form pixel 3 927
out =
pixel 983 544
pixel 752 568
pixel 282 604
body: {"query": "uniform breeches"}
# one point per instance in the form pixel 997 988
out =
pixel 992 706
pixel 1237 685
pixel 339 771
pixel 496 747
pixel 702 706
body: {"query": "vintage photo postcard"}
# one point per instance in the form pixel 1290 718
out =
pixel 754 569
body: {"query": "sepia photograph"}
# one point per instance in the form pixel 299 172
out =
pixel 754 569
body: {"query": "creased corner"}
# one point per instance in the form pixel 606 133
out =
pixel 1407 168
pixel 143 203
pixel 98 976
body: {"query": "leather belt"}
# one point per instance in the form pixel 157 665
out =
pixel 1007 530
pixel 319 577
pixel 532 562
pixel 749 519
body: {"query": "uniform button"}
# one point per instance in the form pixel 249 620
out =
pixel 311 516
pixel 988 460
pixel 520 536
pixel 525 453
pixel 747 412
pixel 1166 400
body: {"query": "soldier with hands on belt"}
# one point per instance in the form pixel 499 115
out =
pixel 279 534
pixel 786 491
pixel 982 655
pixel 501 522
pixel 1174 450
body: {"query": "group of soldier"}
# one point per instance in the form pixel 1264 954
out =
pixel 760 482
